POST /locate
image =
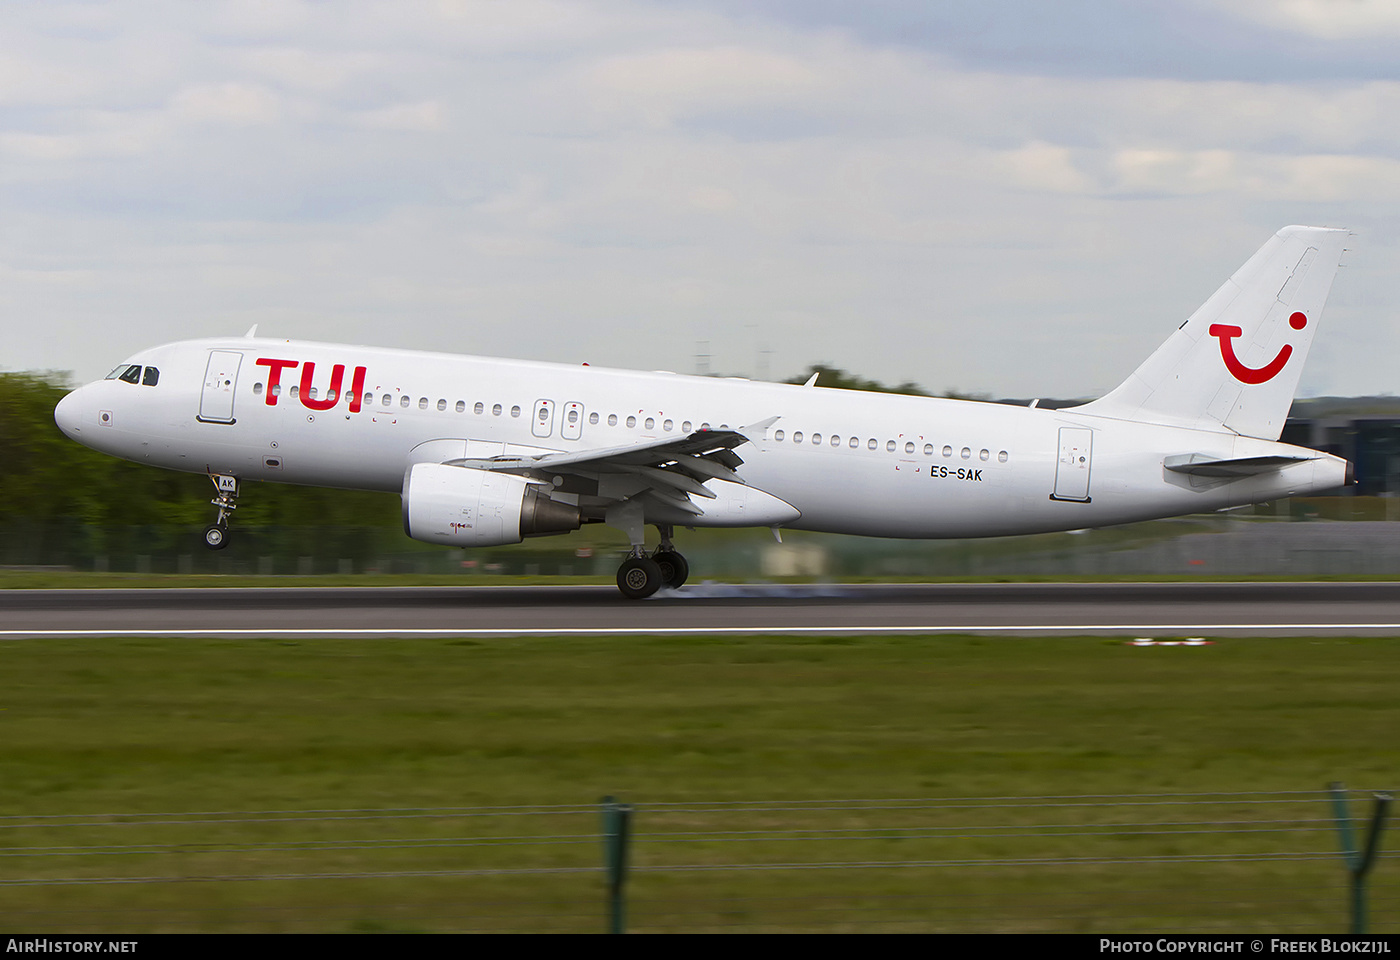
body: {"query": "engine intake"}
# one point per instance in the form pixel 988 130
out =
pixel 462 507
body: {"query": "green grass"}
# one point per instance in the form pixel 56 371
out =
pixel 120 726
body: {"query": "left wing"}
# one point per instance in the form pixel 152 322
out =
pixel 670 470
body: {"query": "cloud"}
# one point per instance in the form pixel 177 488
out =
pixel 1322 19
pixel 665 85
pixel 1042 166
pixel 424 117
pixel 622 178
pixel 238 103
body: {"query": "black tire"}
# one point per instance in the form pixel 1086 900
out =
pixel 674 569
pixel 216 536
pixel 638 577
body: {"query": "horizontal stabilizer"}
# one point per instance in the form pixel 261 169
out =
pixel 1201 465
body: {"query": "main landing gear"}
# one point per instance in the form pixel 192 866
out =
pixel 640 575
pixel 216 534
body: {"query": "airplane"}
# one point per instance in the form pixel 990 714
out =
pixel 486 452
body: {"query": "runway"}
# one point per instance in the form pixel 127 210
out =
pixel 998 609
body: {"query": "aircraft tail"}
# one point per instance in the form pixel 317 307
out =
pixel 1235 363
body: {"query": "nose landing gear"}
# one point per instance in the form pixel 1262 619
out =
pixel 216 534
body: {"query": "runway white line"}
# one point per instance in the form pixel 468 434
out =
pixel 689 631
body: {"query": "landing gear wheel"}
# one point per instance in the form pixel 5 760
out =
pixel 216 536
pixel 639 577
pixel 674 569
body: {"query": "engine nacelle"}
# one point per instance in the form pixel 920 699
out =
pixel 462 507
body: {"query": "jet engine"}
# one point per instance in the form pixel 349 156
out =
pixel 462 507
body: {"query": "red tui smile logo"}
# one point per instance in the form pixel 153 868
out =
pixel 1227 334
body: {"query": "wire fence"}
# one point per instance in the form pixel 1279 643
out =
pixel 1265 862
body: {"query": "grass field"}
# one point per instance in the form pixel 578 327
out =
pixel 111 732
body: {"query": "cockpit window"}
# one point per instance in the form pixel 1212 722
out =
pixel 151 377
pixel 130 372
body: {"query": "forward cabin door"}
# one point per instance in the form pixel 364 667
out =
pixel 220 384
pixel 1072 470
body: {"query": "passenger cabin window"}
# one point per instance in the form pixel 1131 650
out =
pixel 612 419
pixel 403 400
pixel 496 410
pixel 442 404
pixel 515 411
pixel 461 406
pixel 479 409
pixel 422 403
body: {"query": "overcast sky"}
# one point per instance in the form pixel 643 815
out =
pixel 1019 198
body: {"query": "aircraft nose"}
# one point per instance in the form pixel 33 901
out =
pixel 68 416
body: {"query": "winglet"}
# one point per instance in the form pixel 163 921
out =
pixel 759 428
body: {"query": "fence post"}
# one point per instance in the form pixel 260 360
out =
pixel 1358 863
pixel 617 824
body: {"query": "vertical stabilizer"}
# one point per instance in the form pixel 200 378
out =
pixel 1235 363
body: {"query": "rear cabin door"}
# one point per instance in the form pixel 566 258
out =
pixel 1072 470
pixel 220 384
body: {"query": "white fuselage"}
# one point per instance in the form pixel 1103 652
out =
pixel 871 464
